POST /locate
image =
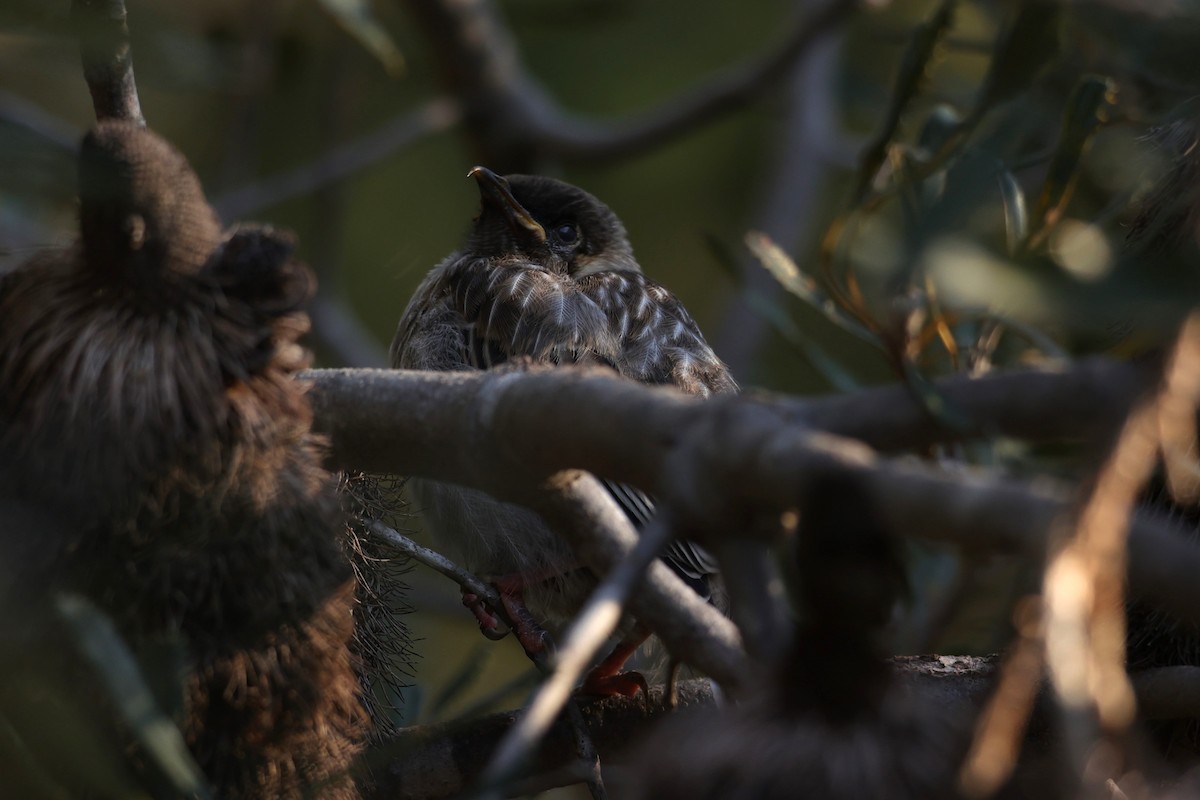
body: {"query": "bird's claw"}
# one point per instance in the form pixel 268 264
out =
pixel 489 624
pixel 625 684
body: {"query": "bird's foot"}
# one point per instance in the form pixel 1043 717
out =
pixel 607 680
pixel 489 624
pixel 624 684
pixel 532 636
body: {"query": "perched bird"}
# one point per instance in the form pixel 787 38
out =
pixel 547 273
pixel 149 407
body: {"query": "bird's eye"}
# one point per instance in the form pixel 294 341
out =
pixel 567 233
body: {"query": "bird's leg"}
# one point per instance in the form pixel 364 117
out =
pixel 490 625
pixel 606 678
pixel 511 589
pixel 532 636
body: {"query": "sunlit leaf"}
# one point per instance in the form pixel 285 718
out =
pixel 784 270
pixel 1016 218
pixel 781 322
pixel 357 17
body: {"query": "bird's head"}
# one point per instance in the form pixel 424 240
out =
pixel 550 223
pixel 142 211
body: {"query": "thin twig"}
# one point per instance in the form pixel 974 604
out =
pixel 1002 724
pixel 107 61
pixel 57 132
pixel 727 92
pixel 470 582
pixel 592 627
pixel 340 162
pixel 515 123
pixel 436 561
pixel 442 760
pixel 788 208
pixel 1084 588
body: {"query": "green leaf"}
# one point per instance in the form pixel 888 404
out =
pixel 784 270
pixel 816 356
pixel 780 320
pixel 100 643
pixel 1016 218
pixel 1026 45
pixel 357 17
pixel 1086 111
pixel 909 80
pixel 463 679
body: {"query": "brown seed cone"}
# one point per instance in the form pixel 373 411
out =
pixel 148 398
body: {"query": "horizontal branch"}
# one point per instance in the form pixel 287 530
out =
pixel 340 162
pixel 1085 400
pixel 714 462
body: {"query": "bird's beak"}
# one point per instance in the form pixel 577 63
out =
pixel 494 189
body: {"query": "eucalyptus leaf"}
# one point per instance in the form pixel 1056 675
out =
pixel 464 677
pixel 357 17
pixel 784 270
pixel 1029 42
pixel 914 69
pixel 1016 217
pixel 99 642
pixel 837 376
pixel 1086 111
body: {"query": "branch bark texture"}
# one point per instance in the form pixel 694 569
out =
pixel 107 60
pixel 718 463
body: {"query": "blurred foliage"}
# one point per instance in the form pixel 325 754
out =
pixel 1021 192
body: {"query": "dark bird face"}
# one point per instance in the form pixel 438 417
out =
pixel 548 223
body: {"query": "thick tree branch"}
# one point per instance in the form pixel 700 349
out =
pixel 715 461
pixel 1085 400
pixel 601 534
pixel 107 62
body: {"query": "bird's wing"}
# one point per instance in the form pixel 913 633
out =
pixel 691 562
pixel 659 341
pixel 515 309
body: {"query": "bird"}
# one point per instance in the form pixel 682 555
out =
pixel 547 274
